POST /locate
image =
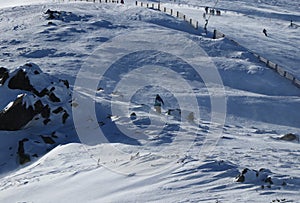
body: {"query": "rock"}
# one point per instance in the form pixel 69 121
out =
pixel 64 117
pixel 20 81
pixel 38 106
pixel 58 110
pixel 133 116
pixel 45 113
pixel 16 116
pixel 48 140
pixel 44 92
pixel 260 177
pixel 289 137
pixel 40 94
pixel 23 157
pixel 46 121
pixel 4 75
pixel 53 97
pixel 66 83
pixel 240 178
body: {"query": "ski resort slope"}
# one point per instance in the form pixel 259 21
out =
pixel 117 58
pixel 244 21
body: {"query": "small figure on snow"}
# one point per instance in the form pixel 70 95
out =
pixel 122 1
pixel 265 32
pixel 205 26
pixel 206 10
pixel 157 104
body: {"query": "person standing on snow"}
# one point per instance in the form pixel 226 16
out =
pixel 157 104
pixel 265 32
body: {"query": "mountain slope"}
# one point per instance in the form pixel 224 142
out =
pixel 117 58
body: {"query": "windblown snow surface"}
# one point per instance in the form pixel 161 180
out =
pixel 223 116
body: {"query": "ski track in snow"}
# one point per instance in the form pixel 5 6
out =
pixel 261 106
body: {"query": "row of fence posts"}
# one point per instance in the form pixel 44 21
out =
pixel 217 34
pixel 273 66
pixel 94 1
pixel 171 12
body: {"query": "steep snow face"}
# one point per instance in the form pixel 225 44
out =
pixel 117 59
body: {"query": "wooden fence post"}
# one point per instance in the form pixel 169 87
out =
pixel 215 34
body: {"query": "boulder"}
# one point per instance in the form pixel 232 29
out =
pixel 289 137
pixel 36 93
pixel 20 81
pixel 16 115
pixel 4 75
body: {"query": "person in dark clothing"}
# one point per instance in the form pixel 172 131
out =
pixel 265 32
pixel 205 26
pixel 158 103
pixel 206 10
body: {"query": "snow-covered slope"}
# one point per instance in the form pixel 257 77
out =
pixel 245 20
pixel 223 110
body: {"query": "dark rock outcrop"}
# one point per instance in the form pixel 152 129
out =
pixel 40 96
pixel 23 157
pixel 20 81
pixel 4 75
pixel 47 139
pixel 289 137
pixel 16 116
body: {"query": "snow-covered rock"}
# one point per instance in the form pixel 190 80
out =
pixel 262 177
pixel 33 95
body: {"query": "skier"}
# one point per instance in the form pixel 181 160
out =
pixel 265 32
pixel 157 104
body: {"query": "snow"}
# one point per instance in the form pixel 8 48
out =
pixel 117 58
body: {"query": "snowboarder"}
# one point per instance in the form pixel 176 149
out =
pixel 157 104
pixel 265 32
pixel 122 1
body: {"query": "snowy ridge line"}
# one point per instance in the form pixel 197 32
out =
pixel 195 24
pixel 172 12
pixel 92 1
pixel 217 34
